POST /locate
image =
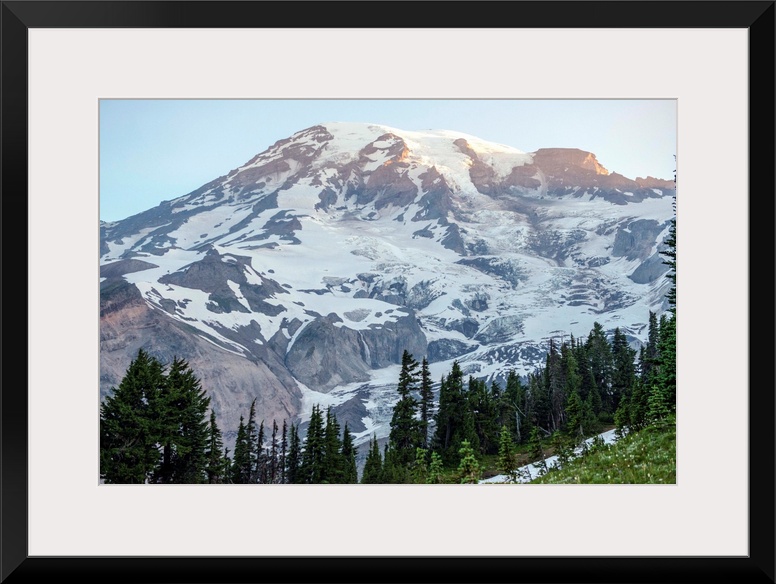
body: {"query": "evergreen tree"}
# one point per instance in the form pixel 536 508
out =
pixel 420 466
pixel 539 401
pixel 273 454
pixel 406 430
pixel 650 355
pixel 537 448
pixel 469 471
pixel 283 454
pixel 555 387
pixel 454 419
pixel 659 405
pixel 261 469
pixel 435 468
pixel 332 465
pixel 670 253
pixel 577 418
pixel 373 466
pixel 507 461
pixel 252 438
pixel 294 457
pixel 180 410
pixel 665 376
pixel 484 415
pixel 241 459
pixel 348 456
pixel 394 470
pixel 624 367
pixel 129 450
pixel 215 462
pixel 426 401
pixel 599 353
pixel 311 468
pixel 513 411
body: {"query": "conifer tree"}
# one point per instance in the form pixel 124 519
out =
pixel 311 468
pixel 273 454
pixel 537 448
pixel 180 410
pixel 214 455
pixel 332 465
pixel 252 438
pixel 539 401
pixel 514 412
pixel 261 468
pixel 650 355
pixel 469 471
pixel 435 469
pixel 129 450
pixel 555 387
pixel 241 459
pixel 599 353
pixel 348 456
pixel 426 401
pixel 484 413
pixel 670 254
pixel 420 466
pixel 283 453
pixel 666 369
pixel 624 367
pixel 454 419
pixel 294 457
pixel 373 466
pixel 576 418
pixel 394 470
pixel 507 462
pixel 406 430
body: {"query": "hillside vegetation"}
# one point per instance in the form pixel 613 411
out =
pixel 647 456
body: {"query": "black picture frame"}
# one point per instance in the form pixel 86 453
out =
pixel 17 566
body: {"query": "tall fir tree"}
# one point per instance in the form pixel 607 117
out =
pixel 129 451
pixel 252 437
pixel 274 454
pixel 181 413
pixel 215 461
pixel 454 419
pixel 332 465
pixel 665 377
pixel 507 461
pixel 261 456
pixel 426 401
pixel 242 465
pixel 373 465
pixel 599 353
pixel 348 455
pixel 311 468
pixel 282 463
pixel 624 367
pixel 294 457
pixel 406 430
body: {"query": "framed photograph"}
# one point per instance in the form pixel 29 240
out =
pixel 73 71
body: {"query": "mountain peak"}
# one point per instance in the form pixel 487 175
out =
pixel 303 274
pixel 554 159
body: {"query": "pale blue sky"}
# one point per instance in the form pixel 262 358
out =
pixel 157 150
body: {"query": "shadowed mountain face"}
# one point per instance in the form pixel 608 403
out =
pixel 302 276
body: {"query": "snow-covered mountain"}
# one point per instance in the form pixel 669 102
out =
pixel 301 276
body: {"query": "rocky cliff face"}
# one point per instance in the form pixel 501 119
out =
pixel 303 275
